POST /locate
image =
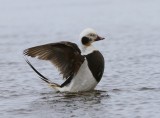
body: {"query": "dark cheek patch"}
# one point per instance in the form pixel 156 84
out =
pixel 85 40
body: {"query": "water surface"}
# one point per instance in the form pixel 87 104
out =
pixel 130 87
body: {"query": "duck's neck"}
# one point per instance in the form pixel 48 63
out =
pixel 87 49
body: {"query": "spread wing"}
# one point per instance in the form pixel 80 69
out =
pixel 66 56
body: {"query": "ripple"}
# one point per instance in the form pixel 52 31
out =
pixel 148 89
pixel 91 95
pixel 116 90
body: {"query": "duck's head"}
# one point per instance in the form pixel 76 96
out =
pixel 88 36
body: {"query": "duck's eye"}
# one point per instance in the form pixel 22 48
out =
pixel 92 35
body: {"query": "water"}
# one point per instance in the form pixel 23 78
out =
pixel 130 87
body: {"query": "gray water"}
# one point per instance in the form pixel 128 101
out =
pixel 130 87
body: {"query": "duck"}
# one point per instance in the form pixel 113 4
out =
pixel 81 67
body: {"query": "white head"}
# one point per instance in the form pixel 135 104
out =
pixel 89 36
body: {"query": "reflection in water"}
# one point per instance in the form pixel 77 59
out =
pixel 92 97
pixel 75 103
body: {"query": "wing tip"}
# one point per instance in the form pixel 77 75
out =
pixel 38 73
pixel 52 84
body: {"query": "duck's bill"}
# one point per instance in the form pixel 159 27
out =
pixel 99 38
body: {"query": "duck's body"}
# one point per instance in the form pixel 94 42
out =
pixel 82 70
pixel 85 80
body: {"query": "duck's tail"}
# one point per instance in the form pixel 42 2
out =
pixel 42 77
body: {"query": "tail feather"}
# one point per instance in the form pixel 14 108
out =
pixel 42 77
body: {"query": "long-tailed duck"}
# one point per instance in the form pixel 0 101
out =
pixel 82 71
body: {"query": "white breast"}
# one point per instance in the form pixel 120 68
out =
pixel 83 81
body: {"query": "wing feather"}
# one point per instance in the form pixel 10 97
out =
pixel 66 56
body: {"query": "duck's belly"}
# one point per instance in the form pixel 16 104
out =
pixel 83 81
